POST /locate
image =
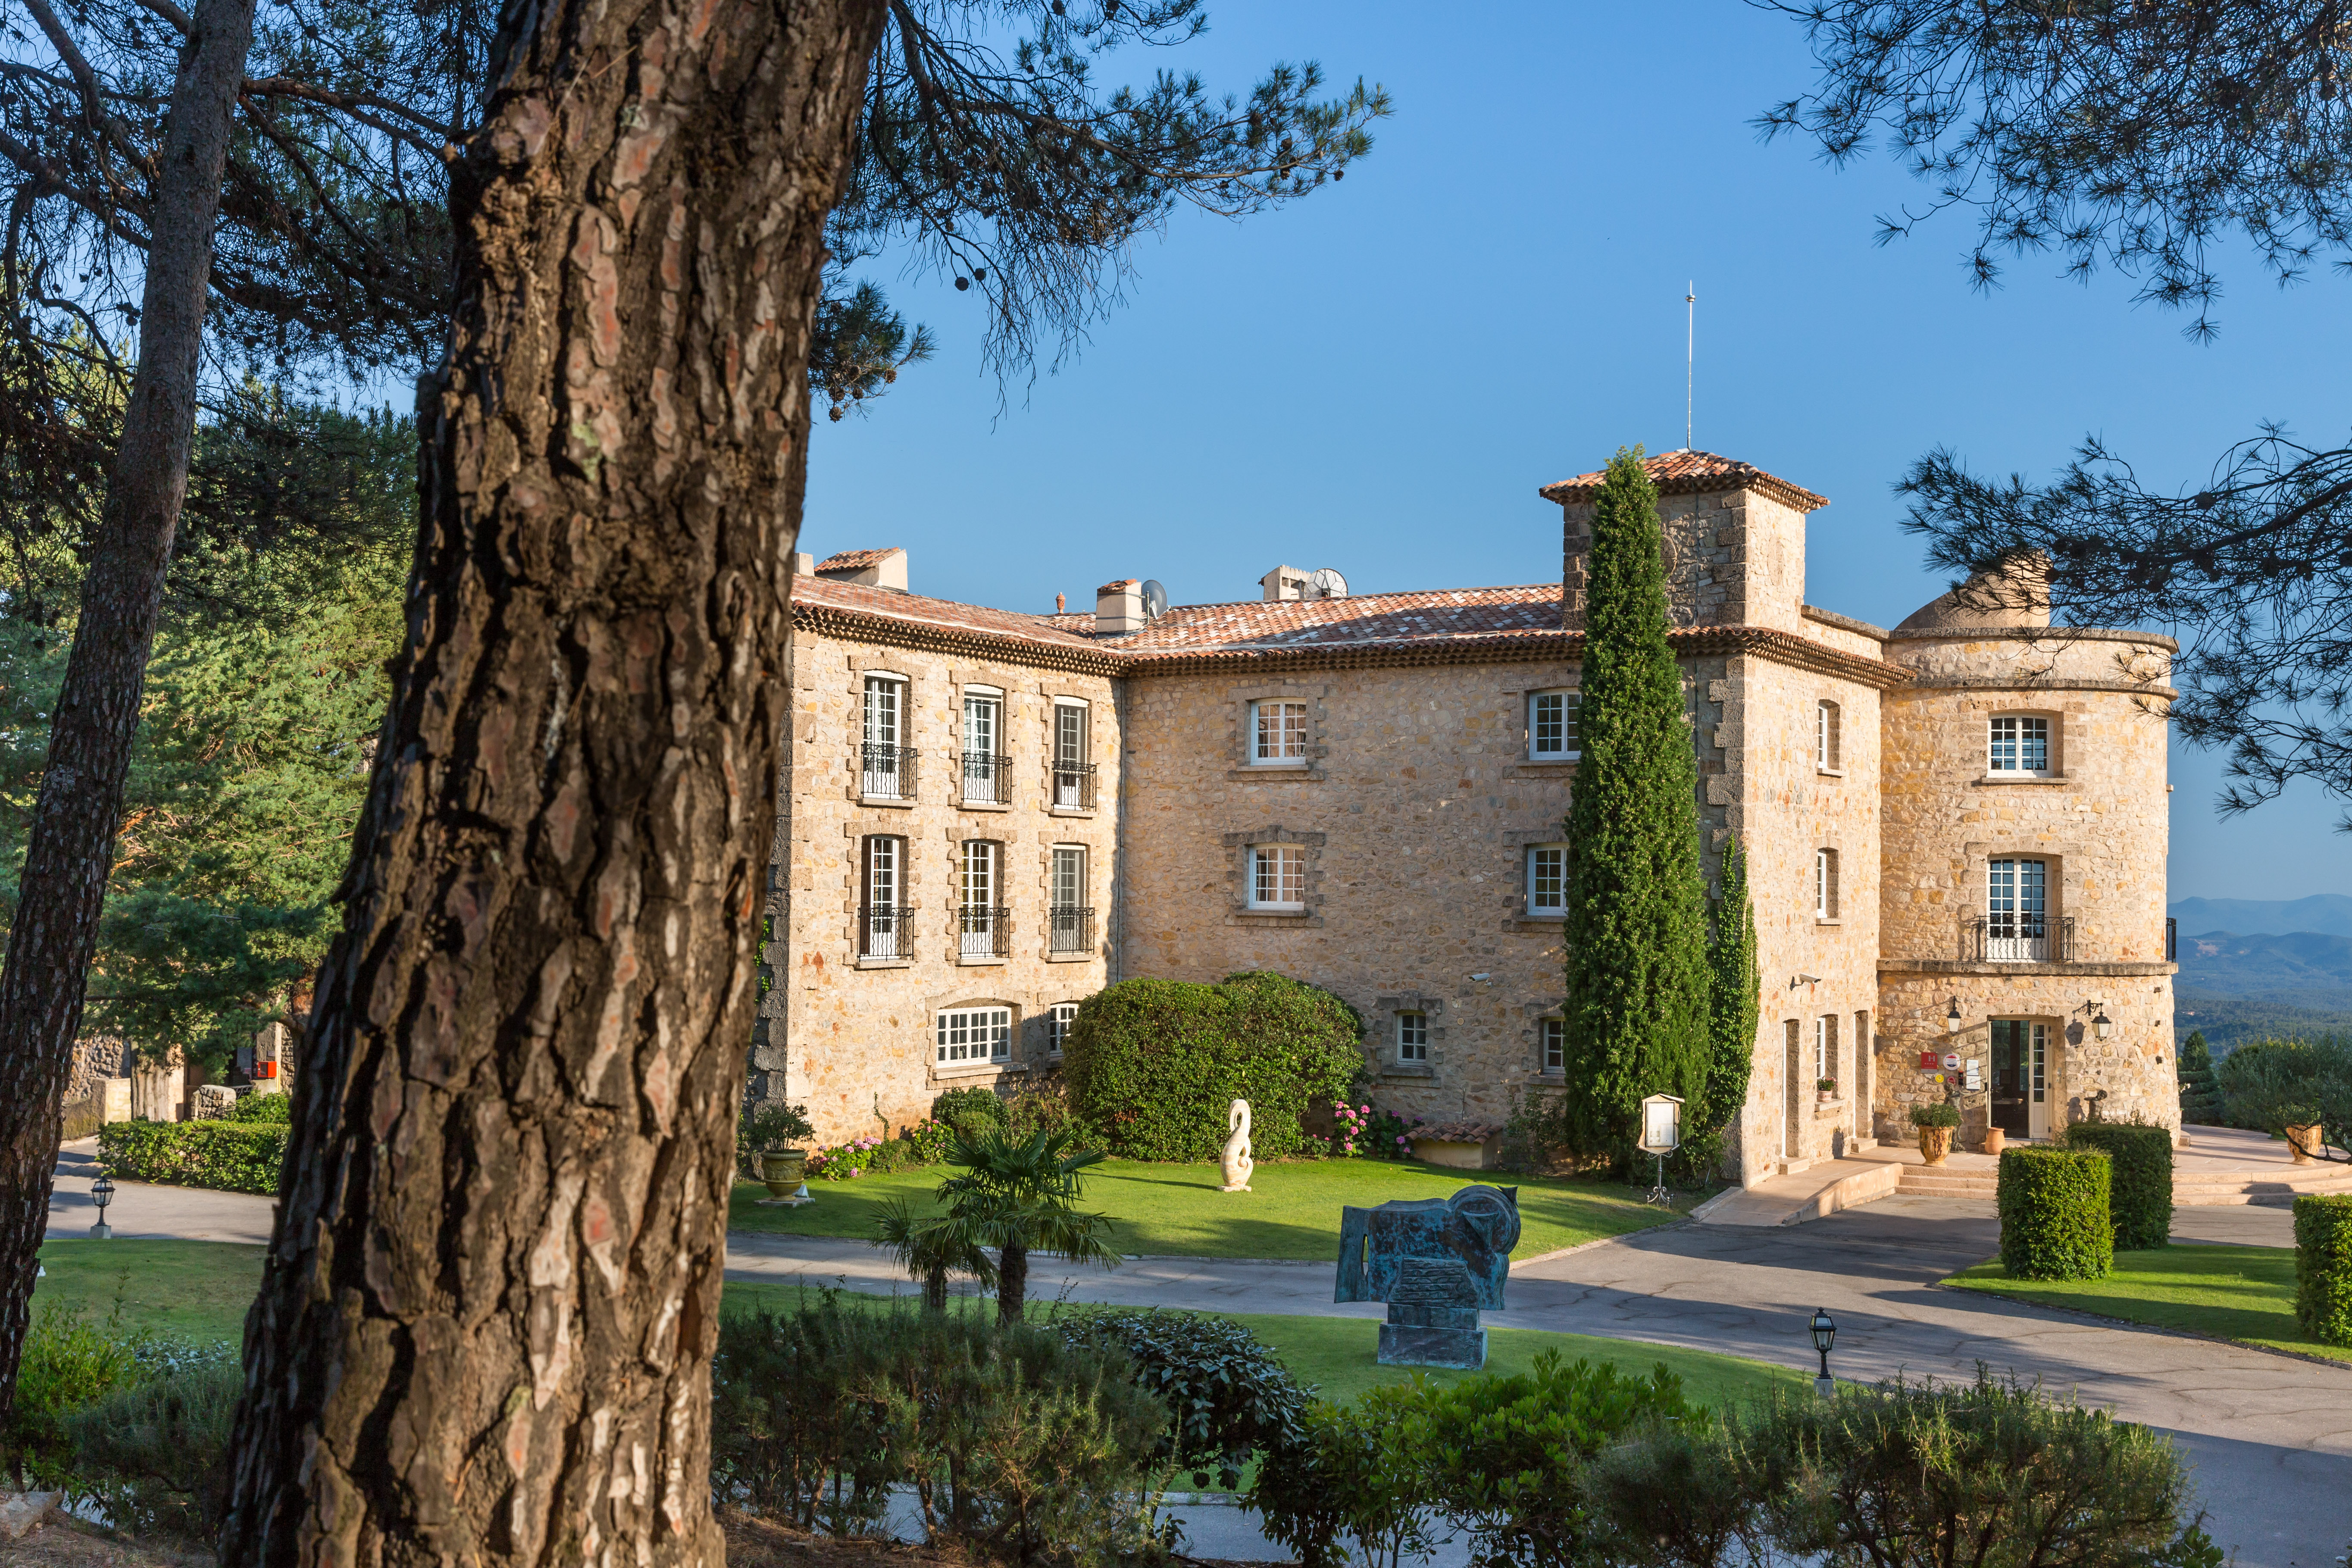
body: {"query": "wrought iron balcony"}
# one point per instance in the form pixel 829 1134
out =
pixel 984 932
pixel 1073 785
pixel 886 772
pixel 987 778
pixel 2023 938
pixel 1072 929
pixel 886 931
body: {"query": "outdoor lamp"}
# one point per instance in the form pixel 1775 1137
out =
pixel 1952 1018
pixel 2103 1026
pixel 101 1192
pixel 1824 1335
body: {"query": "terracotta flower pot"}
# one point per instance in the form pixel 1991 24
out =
pixel 1935 1142
pixel 1994 1138
pixel 782 1169
pixel 2302 1142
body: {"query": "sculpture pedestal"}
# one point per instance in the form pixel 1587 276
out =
pixel 1418 1335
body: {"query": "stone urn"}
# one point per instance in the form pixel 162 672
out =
pixel 1994 1140
pixel 783 1169
pixel 1935 1142
pixel 2303 1143
pixel 1236 1157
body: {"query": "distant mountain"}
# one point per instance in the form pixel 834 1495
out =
pixel 2329 914
pixel 2221 964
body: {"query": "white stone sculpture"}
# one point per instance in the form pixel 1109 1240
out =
pixel 1237 1160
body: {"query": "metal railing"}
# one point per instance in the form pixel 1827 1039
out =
pixel 886 772
pixel 886 931
pixel 1072 929
pixel 2171 940
pixel 984 934
pixel 987 778
pixel 2024 938
pixel 1073 785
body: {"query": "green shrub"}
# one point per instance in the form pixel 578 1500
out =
pixel 1227 1396
pixel 156 1452
pixel 230 1156
pixel 1349 1473
pixel 1153 1064
pixel 1936 1114
pixel 2276 1084
pixel 270 1109
pixel 2323 1265
pixel 2054 1221
pixel 2200 1096
pixel 2141 1200
pixel 968 1111
pixel 66 1362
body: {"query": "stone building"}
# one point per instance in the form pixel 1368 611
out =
pixel 1956 829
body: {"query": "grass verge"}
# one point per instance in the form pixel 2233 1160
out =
pixel 2245 1294
pixel 1292 1210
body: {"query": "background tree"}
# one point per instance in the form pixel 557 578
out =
pixel 1017 1195
pixel 485 1325
pixel 930 1247
pixel 2200 1095
pixel 2136 138
pixel 1636 931
pixel 1734 996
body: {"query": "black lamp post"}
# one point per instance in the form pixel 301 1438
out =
pixel 1824 1335
pixel 101 1192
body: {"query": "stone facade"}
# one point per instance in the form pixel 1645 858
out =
pixel 1389 848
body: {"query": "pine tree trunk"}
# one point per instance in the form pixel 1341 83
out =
pixel 486 1322
pixel 70 847
pixel 1011 1282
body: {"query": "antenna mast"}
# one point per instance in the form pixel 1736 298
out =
pixel 1690 355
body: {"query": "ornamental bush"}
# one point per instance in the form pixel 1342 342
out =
pixel 1227 1396
pixel 2323 1265
pixel 970 1112
pixel 2054 1220
pixel 2140 1202
pixel 270 1109
pixel 1153 1064
pixel 230 1156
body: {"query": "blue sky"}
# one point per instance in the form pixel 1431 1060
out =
pixel 1379 378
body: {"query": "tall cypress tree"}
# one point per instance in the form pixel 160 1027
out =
pixel 1733 1002
pixel 1636 929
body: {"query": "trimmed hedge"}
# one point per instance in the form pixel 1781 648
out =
pixel 970 1112
pixel 2323 1265
pixel 232 1156
pixel 2054 1213
pixel 2140 1203
pixel 1153 1064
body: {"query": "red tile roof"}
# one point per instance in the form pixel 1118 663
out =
pixel 1694 473
pixel 819 593
pixel 1424 616
pixel 854 560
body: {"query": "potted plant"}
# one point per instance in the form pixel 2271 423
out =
pixel 1825 1090
pixel 763 1140
pixel 1935 1124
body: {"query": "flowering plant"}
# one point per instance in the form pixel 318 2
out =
pixel 1351 1127
pixel 1360 1131
pixel 932 1140
pixel 843 1161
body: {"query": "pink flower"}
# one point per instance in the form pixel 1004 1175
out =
pixel 1368 1110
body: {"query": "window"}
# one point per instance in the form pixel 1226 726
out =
pixel 1825 884
pixel 882 919
pixel 2020 744
pixel 1277 874
pixel 1412 1037
pixel 1277 734
pixel 1552 1040
pixel 1547 881
pixel 2016 912
pixel 1072 924
pixel 2040 1050
pixel 1059 1018
pixel 984 770
pixel 1073 777
pixel 1825 737
pixel 975 1035
pixel 886 763
pixel 982 925
pixel 1551 725
pixel 1825 1048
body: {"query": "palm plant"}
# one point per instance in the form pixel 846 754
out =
pixel 930 1248
pixel 1015 1194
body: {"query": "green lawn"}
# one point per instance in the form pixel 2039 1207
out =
pixel 1291 1210
pixel 195 1290
pixel 2241 1293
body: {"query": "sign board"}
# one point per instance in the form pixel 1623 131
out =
pixel 1975 1080
pixel 1927 1060
pixel 1661 1124
pixel 1951 1061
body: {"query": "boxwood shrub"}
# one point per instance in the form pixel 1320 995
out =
pixel 232 1156
pixel 2323 1265
pixel 1152 1065
pixel 2054 1220
pixel 2140 1202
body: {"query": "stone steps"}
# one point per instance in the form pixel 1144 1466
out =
pixel 2191 1189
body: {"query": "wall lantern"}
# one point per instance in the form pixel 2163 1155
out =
pixel 1952 1018
pixel 101 1192
pixel 1824 1335
pixel 2103 1026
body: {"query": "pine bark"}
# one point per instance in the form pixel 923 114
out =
pixel 70 850
pixel 487 1312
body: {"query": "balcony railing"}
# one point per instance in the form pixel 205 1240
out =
pixel 987 778
pixel 886 772
pixel 2171 940
pixel 886 931
pixel 1073 930
pixel 2023 939
pixel 1073 785
pixel 984 934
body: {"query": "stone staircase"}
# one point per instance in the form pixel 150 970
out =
pixel 2218 1166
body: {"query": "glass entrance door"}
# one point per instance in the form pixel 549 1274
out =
pixel 2010 1064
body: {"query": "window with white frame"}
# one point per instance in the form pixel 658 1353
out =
pixel 1825 737
pixel 885 762
pixel 1548 881
pixel 1552 1044
pixel 1825 884
pixel 1825 1048
pixel 2017 910
pixel 1071 917
pixel 882 924
pixel 1551 725
pixel 1278 877
pixel 1059 1018
pixel 2016 744
pixel 1074 782
pixel 1277 734
pixel 982 920
pixel 983 735
pixel 1412 1037
pixel 969 1035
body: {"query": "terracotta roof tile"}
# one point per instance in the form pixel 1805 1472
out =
pixel 1694 473
pixel 854 560
pixel 888 604
pixel 1423 616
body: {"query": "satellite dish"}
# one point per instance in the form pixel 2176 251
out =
pixel 1329 584
pixel 1155 599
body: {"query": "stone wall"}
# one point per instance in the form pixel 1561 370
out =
pixel 1733 558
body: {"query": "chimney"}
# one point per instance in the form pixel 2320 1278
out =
pixel 1061 604
pixel 870 568
pixel 804 563
pixel 1287 583
pixel 1119 607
